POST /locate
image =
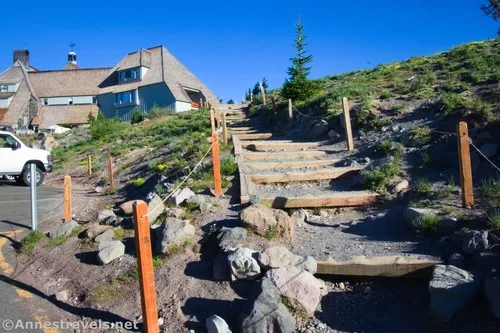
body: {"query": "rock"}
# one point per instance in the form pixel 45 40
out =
pixel 64 229
pixel 126 208
pixel 98 189
pixel 261 219
pixel 231 238
pixel 299 216
pixel 196 199
pixel 175 212
pixel 401 186
pixel 109 251
pixel 307 263
pixel 486 262
pixel 333 134
pixel 180 196
pixel 155 208
pixel 265 313
pixel 450 289
pixel 457 260
pixel 173 232
pixel 105 236
pixel 317 129
pixel 341 286
pixel 367 290
pixel 474 241
pixel 61 296
pixel 95 230
pixel 243 264
pixel 205 207
pixel 492 291
pixel 216 324
pixel 105 214
pixel 414 216
pixel 221 270
pixel 489 149
pixel 301 288
pixel 379 163
pixel 276 257
pixel 448 225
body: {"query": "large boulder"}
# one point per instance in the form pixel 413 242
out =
pixel 105 236
pixel 106 216
pixel 261 219
pixel 317 129
pixel 64 229
pixel 474 241
pixel 230 238
pixel 450 289
pixel 301 288
pixel 155 208
pixel 173 232
pixel 306 263
pixel 175 212
pixel 95 229
pixel 216 324
pixel 109 251
pixel 276 257
pixel 181 195
pixel 492 290
pixel 243 264
pixel 127 208
pixel 265 312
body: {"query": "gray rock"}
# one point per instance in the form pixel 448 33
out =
pixel 196 199
pixel 206 207
pixel 486 262
pixel 265 313
pixel 489 149
pixel 231 238
pixel 155 208
pixel 94 230
pixel 173 232
pixel 261 219
pixel 448 225
pixel 61 296
pixel 221 270
pixel 401 187
pixel 307 263
pixel 318 129
pixel 414 216
pixel 180 196
pixel 275 257
pixel 299 216
pixel 379 163
pixel 474 241
pixel 109 251
pixel 216 324
pixel 105 214
pixel 457 260
pixel 333 134
pixel 243 264
pixel 64 229
pixel 175 212
pixel 492 291
pixel 105 236
pixel 98 189
pixel 450 289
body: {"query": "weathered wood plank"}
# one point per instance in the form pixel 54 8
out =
pixel 391 266
pixel 287 177
pixel 289 164
pixel 256 136
pixel 236 145
pixel 278 145
pixel 253 156
pixel 340 199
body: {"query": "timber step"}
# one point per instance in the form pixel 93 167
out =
pixel 301 176
pixel 334 199
pixel 273 165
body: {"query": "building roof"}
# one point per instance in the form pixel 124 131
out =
pixel 12 75
pixel 2 114
pixel 64 115
pixel 163 68
pixel 78 82
pixel 17 106
pixel 71 66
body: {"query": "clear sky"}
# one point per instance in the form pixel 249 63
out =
pixel 230 45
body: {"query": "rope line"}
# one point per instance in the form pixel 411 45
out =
pixel 483 155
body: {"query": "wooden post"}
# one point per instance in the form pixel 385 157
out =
pixel 290 113
pixel 212 120
pixel 224 128
pixel 216 162
pixel 111 174
pixel 68 216
pixel 347 123
pixel 201 103
pixel 89 164
pixel 465 164
pixel 145 267
pixel 219 119
pixel 251 97
pixel 263 92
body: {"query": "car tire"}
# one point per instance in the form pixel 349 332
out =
pixel 27 175
pixel 7 177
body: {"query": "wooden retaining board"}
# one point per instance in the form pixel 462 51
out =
pixel 336 199
pixel 391 266
pixel 278 145
pixel 262 156
pixel 288 177
pixel 255 136
pixel 289 164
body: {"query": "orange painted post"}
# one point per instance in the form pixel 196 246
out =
pixel 263 92
pixel 465 165
pixel 212 120
pixel 290 113
pixel 347 123
pixel 216 162
pixel 68 216
pixel 111 173
pixel 224 128
pixel 145 267
pixel 89 164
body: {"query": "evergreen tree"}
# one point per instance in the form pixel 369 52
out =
pixel 256 89
pixel 493 10
pixel 230 101
pixel 264 84
pixel 297 86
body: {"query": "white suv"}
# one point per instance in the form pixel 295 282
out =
pixel 15 158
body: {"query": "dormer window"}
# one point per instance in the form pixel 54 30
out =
pixel 4 88
pixel 70 101
pixel 128 75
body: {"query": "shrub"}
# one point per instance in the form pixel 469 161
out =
pixel 157 112
pixel 228 166
pixel 138 182
pixel 379 178
pixel 388 147
pixel 137 117
pixel 423 186
pixel 101 128
pixel 29 242
pixel 452 102
pixel 386 94
pixel 419 136
pixel 428 224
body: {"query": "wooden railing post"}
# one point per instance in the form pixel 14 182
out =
pixel 201 103
pixel 89 164
pixel 251 97
pixel 347 123
pixel 111 173
pixel 465 165
pixel 145 267
pixel 290 113
pixel 68 216
pixel 216 162
pixel 263 93
pixel 224 128
pixel 212 119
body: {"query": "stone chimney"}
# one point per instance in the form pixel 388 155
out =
pixel 23 56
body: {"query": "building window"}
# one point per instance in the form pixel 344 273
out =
pixel 94 99
pixel 4 88
pixel 45 101
pixel 127 75
pixel 70 101
pixel 125 98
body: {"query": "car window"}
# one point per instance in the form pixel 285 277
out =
pixel 6 141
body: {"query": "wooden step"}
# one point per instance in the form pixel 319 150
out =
pixel 289 164
pixel 255 136
pixel 335 199
pixel 288 177
pixel 278 145
pixel 287 155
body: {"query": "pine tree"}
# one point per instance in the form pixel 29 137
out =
pixel 297 86
pixel 493 10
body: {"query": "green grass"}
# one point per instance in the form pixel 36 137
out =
pixel 272 233
pixel 158 261
pixel 228 166
pixel 379 178
pixel 179 248
pixel 423 186
pixel 120 233
pixel 29 242
pixel 428 224
pixel 419 137
pixel 490 190
pixel 57 241
pixel 138 182
pixel 494 221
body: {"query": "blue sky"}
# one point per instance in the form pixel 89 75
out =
pixel 230 45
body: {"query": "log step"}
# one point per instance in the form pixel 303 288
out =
pixel 287 155
pixel 289 164
pixel 336 199
pixel 288 177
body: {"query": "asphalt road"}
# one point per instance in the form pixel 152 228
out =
pixel 18 303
